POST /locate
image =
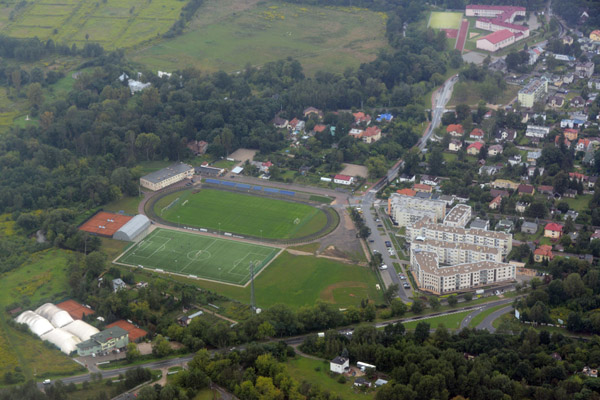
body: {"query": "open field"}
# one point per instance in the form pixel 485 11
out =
pixel 301 280
pixel 240 213
pixel 112 23
pixel 317 372
pixel 42 279
pixel 478 319
pixel 229 34
pixel 202 256
pixel 450 321
pixel 445 20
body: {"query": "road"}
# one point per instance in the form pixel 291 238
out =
pixel 442 97
pixel 487 322
pixel 479 310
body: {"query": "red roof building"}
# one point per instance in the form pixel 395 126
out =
pixel 553 230
pixel 455 130
pixel 495 203
pixel 421 187
pixel 319 128
pixel 577 176
pixel 525 189
pixel 474 148
pixel 544 252
pixel 406 192
pixel 571 134
pixel 476 134
pixel 361 117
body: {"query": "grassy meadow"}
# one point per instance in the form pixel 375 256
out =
pixel 445 20
pixel 241 213
pixel 112 23
pixel 43 278
pixel 229 34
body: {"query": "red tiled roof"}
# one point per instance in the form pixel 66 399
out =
pixel 319 128
pixel 455 128
pixel 497 200
pixel 361 117
pixel 342 177
pixel 552 226
pixel 476 145
pixel 477 132
pixel 371 131
pixel 422 186
pixel 407 192
pixel 498 36
pixel 524 188
pixel 544 250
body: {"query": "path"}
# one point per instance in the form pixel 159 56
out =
pixel 216 314
pixel 462 35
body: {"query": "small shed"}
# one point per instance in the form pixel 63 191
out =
pixel 339 365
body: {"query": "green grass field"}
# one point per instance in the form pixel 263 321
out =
pixel 228 34
pixel 112 23
pixel 42 279
pixel 482 315
pixel 301 280
pixel 241 213
pixel 451 321
pixel 317 372
pixel 202 256
pixel 445 20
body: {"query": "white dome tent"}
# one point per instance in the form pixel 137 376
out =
pixel 36 323
pixel 55 315
pixel 81 329
pixel 132 229
pixel 65 341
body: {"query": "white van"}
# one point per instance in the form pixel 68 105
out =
pixel 383 267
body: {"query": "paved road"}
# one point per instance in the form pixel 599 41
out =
pixel 442 98
pixel 479 310
pixel 487 322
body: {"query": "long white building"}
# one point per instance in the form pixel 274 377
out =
pixel 438 279
pixel 455 252
pixel 406 210
pixel 167 176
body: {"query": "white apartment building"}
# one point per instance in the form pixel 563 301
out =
pixel 534 131
pixel 533 92
pixel 438 279
pixel 456 253
pixel 406 210
pixel 459 216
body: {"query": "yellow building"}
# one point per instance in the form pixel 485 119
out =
pixel 167 176
pixel 595 35
pixel 505 184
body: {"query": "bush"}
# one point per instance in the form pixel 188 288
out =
pixel 341 379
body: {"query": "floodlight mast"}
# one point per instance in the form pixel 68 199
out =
pixel 252 304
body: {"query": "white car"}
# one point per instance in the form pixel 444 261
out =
pixel 47 381
pixel 383 267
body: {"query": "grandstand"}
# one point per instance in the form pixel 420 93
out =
pixel 250 187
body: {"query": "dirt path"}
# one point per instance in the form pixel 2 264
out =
pixel 217 315
pixel 297 350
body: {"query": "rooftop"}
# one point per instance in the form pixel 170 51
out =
pixel 498 36
pixel 167 172
pixel 429 263
pixel 107 334
pixel 532 86
pixel 457 213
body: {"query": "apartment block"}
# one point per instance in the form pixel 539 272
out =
pixel 452 253
pixel 406 210
pixel 533 92
pixel 459 216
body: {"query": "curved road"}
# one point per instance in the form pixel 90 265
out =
pixel 487 322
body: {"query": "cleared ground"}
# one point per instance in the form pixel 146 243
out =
pixel 241 213
pixel 112 23
pixel 445 20
pixel 201 256
pixel 227 36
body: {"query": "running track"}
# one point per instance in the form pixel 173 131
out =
pixel 462 35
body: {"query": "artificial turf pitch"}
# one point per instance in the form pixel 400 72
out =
pixel 200 256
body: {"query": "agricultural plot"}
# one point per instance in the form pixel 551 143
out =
pixel 200 256
pixel 229 34
pixel 444 20
pixel 112 23
pixel 241 213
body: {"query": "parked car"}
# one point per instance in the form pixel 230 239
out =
pixel 383 267
pixel 388 243
pixel 371 241
pixel 379 225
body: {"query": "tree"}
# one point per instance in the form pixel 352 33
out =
pixel 132 352
pixel 417 306
pixel 398 307
pixel 452 300
pixel 422 332
pixel 434 303
pixel 391 292
pixel 35 95
pixel 376 166
pixel 436 161
pixel 147 142
pixel 265 330
pixel 161 347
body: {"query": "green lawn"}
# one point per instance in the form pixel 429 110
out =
pixel 204 257
pixel 448 20
pixel 317 372
pixel 129 205
pixel 229 34
pixel 482 315
pixel 241 213
pixel 579 203
pixel 301 280
pixel 42 279
pixel 451 321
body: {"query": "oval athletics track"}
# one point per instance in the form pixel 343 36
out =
pixel 332 218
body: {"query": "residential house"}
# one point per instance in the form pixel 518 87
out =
pixel 371 134
pixel 582 144
pixel 577 101
pixel 454 145
pixel 479 223
pixel 566 141
pixel 532 156
pixel 356 133
pixel 312 111
pixel 505 135
pixel 476 134
pixel 198 147
pixel 386 117
pixel 544 252
pixel 360 382
pixel 505 225
pixel 118 284
pixel 361 118
pixel 455 130
pixel 595 235
pixel 553 230
pixel 430 180
pixel 498 192
pixel 529 228
pixel 423 188
pixel 406 178
pixel 572 214
pixel 572 123
pixel 594 84
pixel 339 365
pixel 407 192
pixel 474 148
pixel 589 372
pixel 595 35
pixel 578 176
pixel 505 184
pixel 319 128
pixel 280 123
pixel 490 170
pixel 569 78
pixel 515 160
pixel 525 189
pixel 531 171
pixel 556 101
pixel 571 134
pixel 568 40
pixel 521 206
pixel 585 70
pixel 495 149
pixel 343 180
pixel 534 131
pixel 495 203
pixel 570 193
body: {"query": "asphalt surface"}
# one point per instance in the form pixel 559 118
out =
pixel 487 322
pixel 442 98
pixel 479 310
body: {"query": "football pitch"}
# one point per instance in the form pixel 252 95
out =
pixel 241 213
pixel 444 20
pixel 199 256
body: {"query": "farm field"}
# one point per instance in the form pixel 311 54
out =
pixel 201 256
pixel 241 213
pixel 42 279
pixel 301 280
pixel 228 34
pixel 445 20
pixel 111 23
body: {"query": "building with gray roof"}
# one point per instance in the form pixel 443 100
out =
pixel 167 176
pixel 136 227
pixel 105 341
